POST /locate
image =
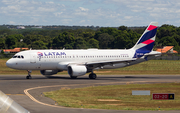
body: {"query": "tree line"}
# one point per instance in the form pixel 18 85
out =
pixel 102 38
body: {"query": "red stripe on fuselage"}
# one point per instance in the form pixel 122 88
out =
pixel 151 27
pixel 148 41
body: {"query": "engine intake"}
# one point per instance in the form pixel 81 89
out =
pixel 77 70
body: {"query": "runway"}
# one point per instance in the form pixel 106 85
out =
pixel 28 93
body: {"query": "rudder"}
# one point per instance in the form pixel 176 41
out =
pixel 146 41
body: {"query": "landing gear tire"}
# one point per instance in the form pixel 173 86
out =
pixel 92 76
pixel 73 77
pixel 28 77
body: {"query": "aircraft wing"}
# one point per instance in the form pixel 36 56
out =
pixel 103 63
pixel 110 62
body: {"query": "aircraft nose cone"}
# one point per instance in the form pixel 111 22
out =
pixel 10 63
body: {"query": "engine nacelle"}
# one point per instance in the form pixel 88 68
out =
pixel 77 70
pixel 49 72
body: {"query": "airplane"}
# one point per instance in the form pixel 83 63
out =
pixel 79 62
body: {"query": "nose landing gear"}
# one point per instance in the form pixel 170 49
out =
pixel 29 74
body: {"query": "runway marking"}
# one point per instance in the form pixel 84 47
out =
pixel 108 83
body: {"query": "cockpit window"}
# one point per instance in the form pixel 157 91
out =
pixel 18 56
pixel 14 56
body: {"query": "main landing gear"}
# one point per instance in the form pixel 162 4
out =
pixel 29 74
pixel 92 75
pixel 73 77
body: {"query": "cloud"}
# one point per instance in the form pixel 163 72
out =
pixel 148 10
pixel 128 17
pixel 11 22
pixel 83 9
pixel 31 11
pixel 58 14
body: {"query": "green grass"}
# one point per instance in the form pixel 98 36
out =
pixel 149 67
pixel 117 97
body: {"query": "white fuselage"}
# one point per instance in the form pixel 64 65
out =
pixel 59 59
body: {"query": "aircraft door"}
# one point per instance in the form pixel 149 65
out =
pixel 32 58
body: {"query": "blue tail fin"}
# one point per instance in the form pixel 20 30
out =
pixel 146 42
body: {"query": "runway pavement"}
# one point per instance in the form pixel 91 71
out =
pixel 28 93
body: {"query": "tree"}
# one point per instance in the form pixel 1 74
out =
pixel 168 41
pixel 122 28
pixel 11 42
pixel 63 39
pixel 121 41
pixel 2 43
pixel 80 44
pixel 72 37
pixel 56 43
pixel 2 51
pixel 108 30
pixel 93 43
pixel 22 45
pixel 18 37
pixel 106 41
pixel 166 30
pixel 177 38
pixel 39 45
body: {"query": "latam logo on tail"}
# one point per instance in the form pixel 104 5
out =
pixel 146 42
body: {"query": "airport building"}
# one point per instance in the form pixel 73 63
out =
pixel 21 27
pixel 15 50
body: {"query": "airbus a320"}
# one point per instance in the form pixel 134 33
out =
pixel 79 62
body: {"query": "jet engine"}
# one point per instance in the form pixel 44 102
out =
pixel 77 70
